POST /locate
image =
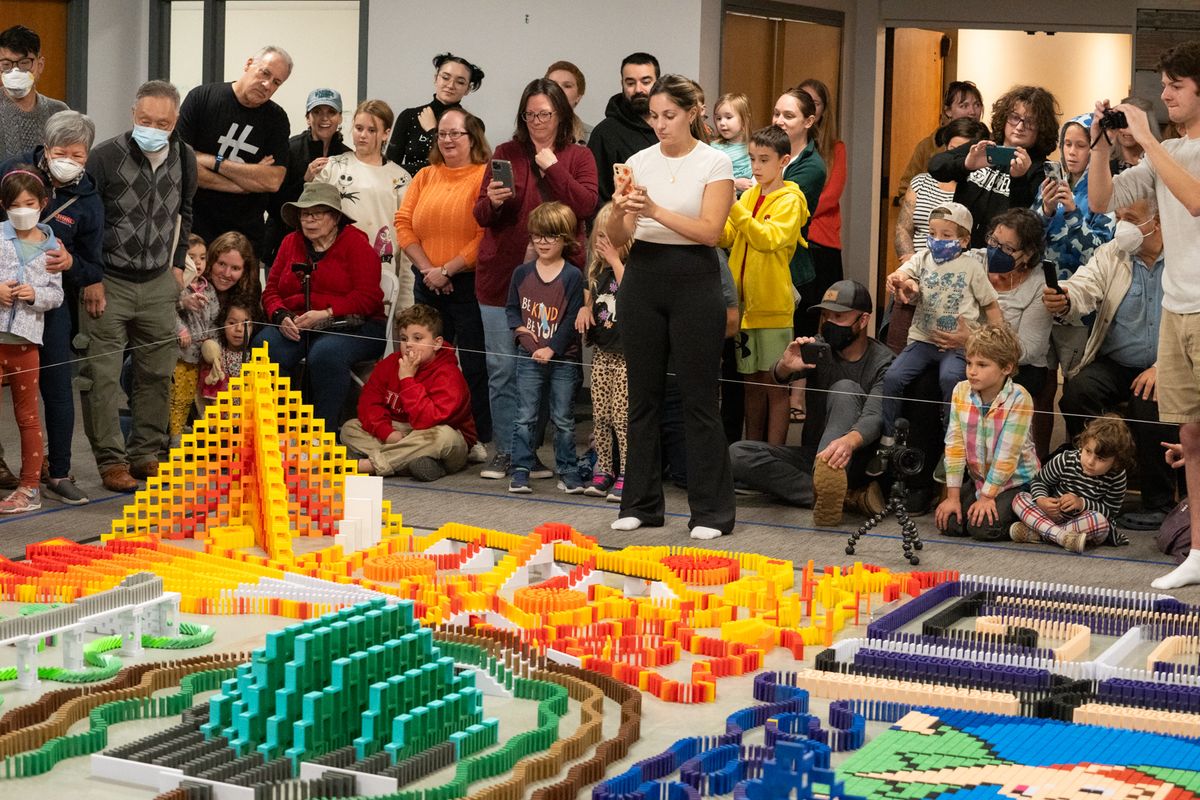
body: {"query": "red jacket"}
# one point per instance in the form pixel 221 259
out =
pixel 572 180
pixel 436 395
pixel 346 278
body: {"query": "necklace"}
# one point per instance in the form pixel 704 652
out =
pixel 671 173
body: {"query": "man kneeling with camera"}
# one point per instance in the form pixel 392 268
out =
pixel 844 368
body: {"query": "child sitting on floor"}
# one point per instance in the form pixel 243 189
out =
pixel 988 439
pixel 1074 499
pixel 414 414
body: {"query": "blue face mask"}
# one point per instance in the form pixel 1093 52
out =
pixel 943 250
pixel 999 261
pixel 150 140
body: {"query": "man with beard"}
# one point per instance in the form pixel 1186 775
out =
pixel 845 417
pixel 624 129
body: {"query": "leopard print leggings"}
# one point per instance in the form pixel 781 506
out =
pixel 610 408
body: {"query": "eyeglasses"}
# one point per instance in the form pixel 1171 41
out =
pixel 314 213
pixel 24 64
pixel 544 239
pixel 540 116
pixel 450 136
pixel 1017 121
pixel 992 241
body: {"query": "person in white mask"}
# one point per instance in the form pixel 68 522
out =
pixel 23 110
pixel 75 214
pixel 147 179
pixel 1123 284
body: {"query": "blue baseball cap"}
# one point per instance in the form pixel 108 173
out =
pixel 324 97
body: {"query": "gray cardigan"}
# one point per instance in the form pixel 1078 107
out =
pixel 23 318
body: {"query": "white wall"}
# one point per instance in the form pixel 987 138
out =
pixel 118 62
pixel 514 43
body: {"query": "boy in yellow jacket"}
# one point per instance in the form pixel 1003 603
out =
pixel 761 233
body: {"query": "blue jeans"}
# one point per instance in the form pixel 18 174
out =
pixel 330 358
pixel 558 379
pixel 912 361
pixel 502 374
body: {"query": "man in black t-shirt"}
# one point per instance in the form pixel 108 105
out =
pixel 241 141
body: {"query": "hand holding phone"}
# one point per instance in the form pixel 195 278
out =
pixel 1050 271
pixel 622 178
pixel 502 172
pixel 999 156
pixel 815 353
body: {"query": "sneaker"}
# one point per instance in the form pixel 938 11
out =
pixel 1020 532
pixel 540 471
pixel 520 482
pixel 426 469
pixel 570 484
pixel 66 491
pixel 477 454
pixel 829 487
pixel 21 500
pixel 614 494
pixel 498 468
pixel 939 472
pixel 1075 541
pixel 601 483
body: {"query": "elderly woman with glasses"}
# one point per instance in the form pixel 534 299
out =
pixel 436 228
pixel 338 319
pixel 546 165
pixel 993 176
pixel 76 215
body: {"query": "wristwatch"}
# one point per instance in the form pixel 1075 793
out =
pixel 444 273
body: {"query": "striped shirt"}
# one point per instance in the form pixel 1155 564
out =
pixel 992 443
pixel 1064 474
pixel 929 196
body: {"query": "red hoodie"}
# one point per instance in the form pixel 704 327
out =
pixel 436 395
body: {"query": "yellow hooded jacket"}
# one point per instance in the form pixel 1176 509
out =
pixel 760 247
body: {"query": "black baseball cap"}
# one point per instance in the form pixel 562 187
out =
pixel 845 296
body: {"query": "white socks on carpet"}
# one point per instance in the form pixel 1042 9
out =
pixel 1185 574
pixel 701 532
pixel 626 524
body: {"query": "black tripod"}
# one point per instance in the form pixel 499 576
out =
pixel 905 462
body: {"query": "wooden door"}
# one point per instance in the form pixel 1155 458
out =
pixel 48 18
pixel 912 109
pixel 811 50
pixel 748 64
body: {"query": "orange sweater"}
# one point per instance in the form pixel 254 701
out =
pixel 437 213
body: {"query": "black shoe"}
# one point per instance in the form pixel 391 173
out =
pixel 7 479
pixel 1142 520
pixel 918 502
pixel 426 469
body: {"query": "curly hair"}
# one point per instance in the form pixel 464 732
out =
pixel 1039 104
pixel 1029 230
pixel 997 343
pixel 1110 438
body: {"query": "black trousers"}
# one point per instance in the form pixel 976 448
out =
pixel 1100 387
pixel 670 307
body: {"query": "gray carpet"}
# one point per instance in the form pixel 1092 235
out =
pixel 763 527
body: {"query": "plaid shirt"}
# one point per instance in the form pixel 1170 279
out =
pixel 992 442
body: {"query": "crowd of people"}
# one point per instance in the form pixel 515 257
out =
pixel 694 256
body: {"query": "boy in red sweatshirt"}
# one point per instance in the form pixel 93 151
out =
pixel 414 414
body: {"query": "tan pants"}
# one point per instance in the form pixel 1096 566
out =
pixel 441 442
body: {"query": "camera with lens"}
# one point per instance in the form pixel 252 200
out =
pixel 905 461
pixel 1112 120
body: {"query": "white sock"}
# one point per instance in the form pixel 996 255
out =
pixel 701 532
pixel 626 524
pixel 1185 574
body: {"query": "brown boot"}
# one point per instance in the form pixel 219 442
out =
pixel 144 470
pixel 829 486
pixel 7 479
pixel 117 479
pixel 866 500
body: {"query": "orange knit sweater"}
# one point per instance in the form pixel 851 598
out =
pixel 437 213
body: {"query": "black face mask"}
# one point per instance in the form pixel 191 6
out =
pixel 838 337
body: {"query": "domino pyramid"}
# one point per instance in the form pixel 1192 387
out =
pixel 258 469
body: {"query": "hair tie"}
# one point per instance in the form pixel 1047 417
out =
pixel 10 173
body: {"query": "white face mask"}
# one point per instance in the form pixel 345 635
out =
pixel 18 83
pixel 23 219
pixel 1129 237
pixel 64 170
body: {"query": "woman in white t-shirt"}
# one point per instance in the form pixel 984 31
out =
pixel 670 306
pixel 372 187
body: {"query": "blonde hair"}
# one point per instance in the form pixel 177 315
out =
pixel 996 343
pixel 740 105
pixel 596 262
pixel 377 109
